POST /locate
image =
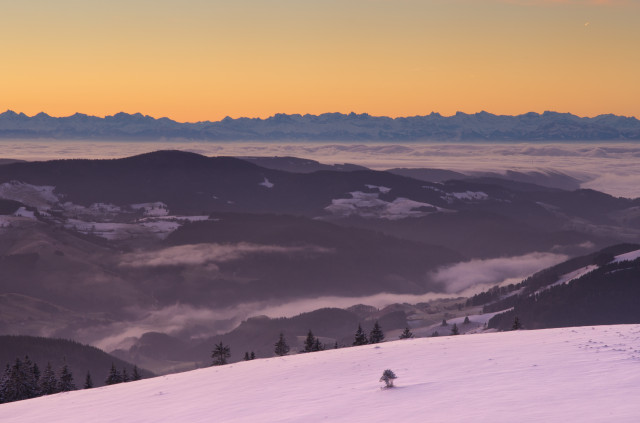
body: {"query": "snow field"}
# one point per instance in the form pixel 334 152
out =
pixel 630 256
pixel 267 183
pixel 586 374
pixel 568 277
pixel 40 196
pixel 368 204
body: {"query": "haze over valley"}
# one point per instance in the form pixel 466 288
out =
pixel 155 256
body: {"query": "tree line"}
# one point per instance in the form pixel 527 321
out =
pixel 221 352
pixel 24 380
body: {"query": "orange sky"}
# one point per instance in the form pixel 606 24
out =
pixel 196 60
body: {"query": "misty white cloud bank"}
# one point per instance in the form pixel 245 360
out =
pixel 201 254
pixel 172 320
pixel 462 276
pixel 610 167
pixel 187 320
pixel 461 279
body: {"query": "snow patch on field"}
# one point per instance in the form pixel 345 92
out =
pixel 157 208
pixel 585 374
pixel 467 195
pixel 6 221
pixel 105 208
pixel 568 277
pixel 107 230
pixel 181 219
pixel 23 212
pixel 98 211
pixel 369 205
pixel 576 274
pixel 39 196
pixel 266 183
pixel 96 219
pixel 630 256
pixel 159 227
pixel 382 190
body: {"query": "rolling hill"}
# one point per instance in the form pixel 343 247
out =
pixel 80 358
pixel 586 374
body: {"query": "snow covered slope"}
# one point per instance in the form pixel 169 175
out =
pixel 578 273
pixel 586 374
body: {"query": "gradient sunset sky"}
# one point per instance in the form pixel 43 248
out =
pixel 193 60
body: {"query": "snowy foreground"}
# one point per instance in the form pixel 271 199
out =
pixel 586 374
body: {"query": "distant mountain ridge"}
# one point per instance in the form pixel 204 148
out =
pixel 483 126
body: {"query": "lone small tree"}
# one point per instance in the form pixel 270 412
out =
pixel 281 347
pixel 387 377
pixel 516 324
pixel 361 337
pixel 125 375
pixel 406 334
pixel 220 354
pixel 48 381
pixel 309 342
pixel 455 330
pixel 376 336
pixel 136 373
pixel 444 322
pixel 466 320
pixel 36 374
pixel 88 382
pixel 65 383
pixel 114 376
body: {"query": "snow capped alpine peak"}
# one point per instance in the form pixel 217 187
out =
pixel 550 126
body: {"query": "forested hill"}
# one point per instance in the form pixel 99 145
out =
pixel 502 297
pixel 609 294
pixel 79 358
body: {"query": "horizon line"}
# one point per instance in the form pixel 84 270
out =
pixel 433 113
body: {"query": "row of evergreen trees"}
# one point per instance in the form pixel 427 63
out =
pixel 24 380
pixel 116 376
pixel 221 352
pixel 375 336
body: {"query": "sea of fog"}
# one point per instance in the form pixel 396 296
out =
pixel 609 167
pixel 613 168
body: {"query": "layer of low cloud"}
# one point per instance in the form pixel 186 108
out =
pixel 203 254
pixel 609 167
pixel 463 276
pixel 462 279
pixel 195 322
pixel 177 320
pixel 187 321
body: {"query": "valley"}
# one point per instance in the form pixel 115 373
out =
pixel 156 257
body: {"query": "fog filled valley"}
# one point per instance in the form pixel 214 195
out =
pixel 155 258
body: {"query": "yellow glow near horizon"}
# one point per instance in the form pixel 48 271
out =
pixel 204 60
